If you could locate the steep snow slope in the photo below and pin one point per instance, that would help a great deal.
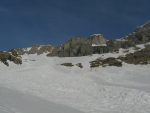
(99, 90)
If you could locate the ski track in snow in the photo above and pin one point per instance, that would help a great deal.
(101, 90)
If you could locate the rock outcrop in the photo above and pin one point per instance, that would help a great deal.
(35, 49)
(115, 45)
(79, 65)
(105, 62)
(67, 64)
(138, 57)
(97, 40)
(81, 47)
(98, 43)
(140, 35)
(73, 47)
(10, 56)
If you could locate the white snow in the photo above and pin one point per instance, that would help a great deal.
(141, 26)
(96, 35)
(142, 46)
(121, 39)
(95, 45)
(29, 48)
(13, 101)
(100, 90)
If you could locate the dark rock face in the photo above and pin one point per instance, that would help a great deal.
(95, 63)
(105, 62)
(67, 64)
(79, 65)
(5, 56)
(74, 47)
(71, 65)
(139, 57)
(100, 49)
(81, 47)
(111, 62)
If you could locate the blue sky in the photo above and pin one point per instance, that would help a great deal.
(27, 22)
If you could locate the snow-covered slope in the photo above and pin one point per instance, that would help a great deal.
(12, 101)
(123, 89)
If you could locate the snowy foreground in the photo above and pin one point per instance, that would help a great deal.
(12, 101)
(42, 85)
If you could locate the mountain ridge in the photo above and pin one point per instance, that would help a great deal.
(77, 46)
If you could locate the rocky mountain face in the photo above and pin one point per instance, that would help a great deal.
(98, 44)
(11, 56)
(94, 44)
(81, 47)
(140, 35)
(73, 47)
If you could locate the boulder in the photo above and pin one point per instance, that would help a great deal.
(79, 65)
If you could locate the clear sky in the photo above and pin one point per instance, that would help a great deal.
(27, 22)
